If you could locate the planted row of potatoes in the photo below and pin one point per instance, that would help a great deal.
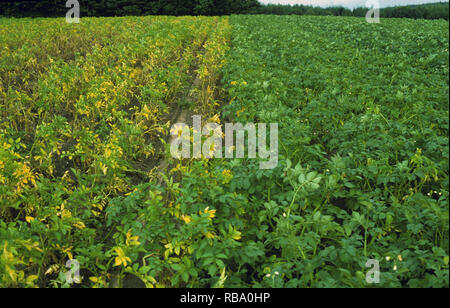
(83, 109)
(362, 175)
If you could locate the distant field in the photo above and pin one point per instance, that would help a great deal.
(86, 174)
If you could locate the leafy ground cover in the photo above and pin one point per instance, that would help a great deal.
(363, 116)
(362, 174)
(83, 109)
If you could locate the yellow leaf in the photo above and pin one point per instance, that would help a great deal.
(79, 225)
(31, 279)
(118, 261)
(187, 219)
(29, 219)
(121, 257)
(210, 235)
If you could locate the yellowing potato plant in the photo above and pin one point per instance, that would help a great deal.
(83, 108)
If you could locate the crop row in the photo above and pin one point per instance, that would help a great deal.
(363, 132)
(83, 109)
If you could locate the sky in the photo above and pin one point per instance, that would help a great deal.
(349, 3)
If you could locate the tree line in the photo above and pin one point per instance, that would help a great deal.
(89, 8)
(439, 10)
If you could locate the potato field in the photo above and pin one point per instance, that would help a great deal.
(87, 176)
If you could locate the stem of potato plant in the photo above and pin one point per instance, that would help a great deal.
(365, 242)
(293, 199)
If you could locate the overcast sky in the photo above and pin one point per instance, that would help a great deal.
(349, 3)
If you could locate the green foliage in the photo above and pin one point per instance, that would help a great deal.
(52, 8)
(363, 130)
